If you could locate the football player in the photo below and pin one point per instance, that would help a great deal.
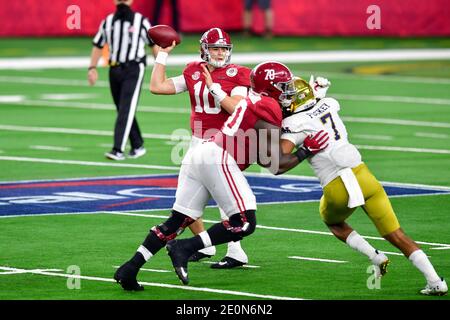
(207, 115)
(250, 134)
(348, 183)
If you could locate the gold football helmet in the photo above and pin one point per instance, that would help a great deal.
(303, 99)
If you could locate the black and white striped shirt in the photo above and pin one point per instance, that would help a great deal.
(126, 37)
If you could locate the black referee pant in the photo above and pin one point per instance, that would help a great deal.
(125, 82)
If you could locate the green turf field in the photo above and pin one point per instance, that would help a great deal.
(398, 113)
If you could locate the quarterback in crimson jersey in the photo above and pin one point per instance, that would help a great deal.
(208, 108)
(207, 112)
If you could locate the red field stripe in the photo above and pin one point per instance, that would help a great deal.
(127, 203)
(162, 182)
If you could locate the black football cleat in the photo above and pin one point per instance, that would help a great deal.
(227, 263)
(197, 256)
(115, 155)
(180, 257)
(126, 276)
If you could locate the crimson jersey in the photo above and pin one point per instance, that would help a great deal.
(238, 135)
(206, 114)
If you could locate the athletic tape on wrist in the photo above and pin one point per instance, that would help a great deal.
(161, 58)
(217, 92)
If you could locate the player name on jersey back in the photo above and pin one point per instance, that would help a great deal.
(317, 112)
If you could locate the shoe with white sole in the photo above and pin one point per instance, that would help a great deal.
(136, 153)
(381, 262)
(227, 263)
(115, 155)
(438, 288)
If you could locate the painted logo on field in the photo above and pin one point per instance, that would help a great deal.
(155, 192)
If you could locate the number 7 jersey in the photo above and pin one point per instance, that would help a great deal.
(339, 154)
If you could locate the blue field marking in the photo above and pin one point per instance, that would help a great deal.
(154, 192)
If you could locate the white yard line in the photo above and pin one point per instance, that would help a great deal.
(134, 214)
(251, 174)
(332, 75)
(431, 135)
(317, 259)
(94, 106)
(378, 78)
(185, 110)
(393, 253)
(247, 58)
(244, 266)
(88, 163)
(397, 122)
(155, 284)
(373, 137)
(11, 99)
(89, 132)
(272, 228)
(67, 96)
(22, 271)
(51, 148)
(51, 81)
(402, 149)
(187, 137)
(400, 99)
(91, 178)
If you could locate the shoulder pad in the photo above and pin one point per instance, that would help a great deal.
(293, 123)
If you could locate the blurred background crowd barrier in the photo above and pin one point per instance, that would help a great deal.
(291, 17)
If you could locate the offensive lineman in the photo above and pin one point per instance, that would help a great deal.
(251, 133)
(348, 183)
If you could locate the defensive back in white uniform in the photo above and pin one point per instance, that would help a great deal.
(348, 183)
(339, 154)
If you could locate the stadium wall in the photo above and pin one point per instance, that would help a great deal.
(292, 17)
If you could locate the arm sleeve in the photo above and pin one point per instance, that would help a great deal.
(144, 32)
(179, 83)
(239, 91)
(100, 37)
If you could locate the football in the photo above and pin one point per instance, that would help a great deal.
(163, 35)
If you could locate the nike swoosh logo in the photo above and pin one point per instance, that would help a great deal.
(183, 273)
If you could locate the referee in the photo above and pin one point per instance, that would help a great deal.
(125, 32)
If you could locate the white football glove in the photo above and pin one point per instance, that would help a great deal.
(320, 86)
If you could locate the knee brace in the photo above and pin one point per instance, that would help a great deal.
(242, 224)
(172, 227)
